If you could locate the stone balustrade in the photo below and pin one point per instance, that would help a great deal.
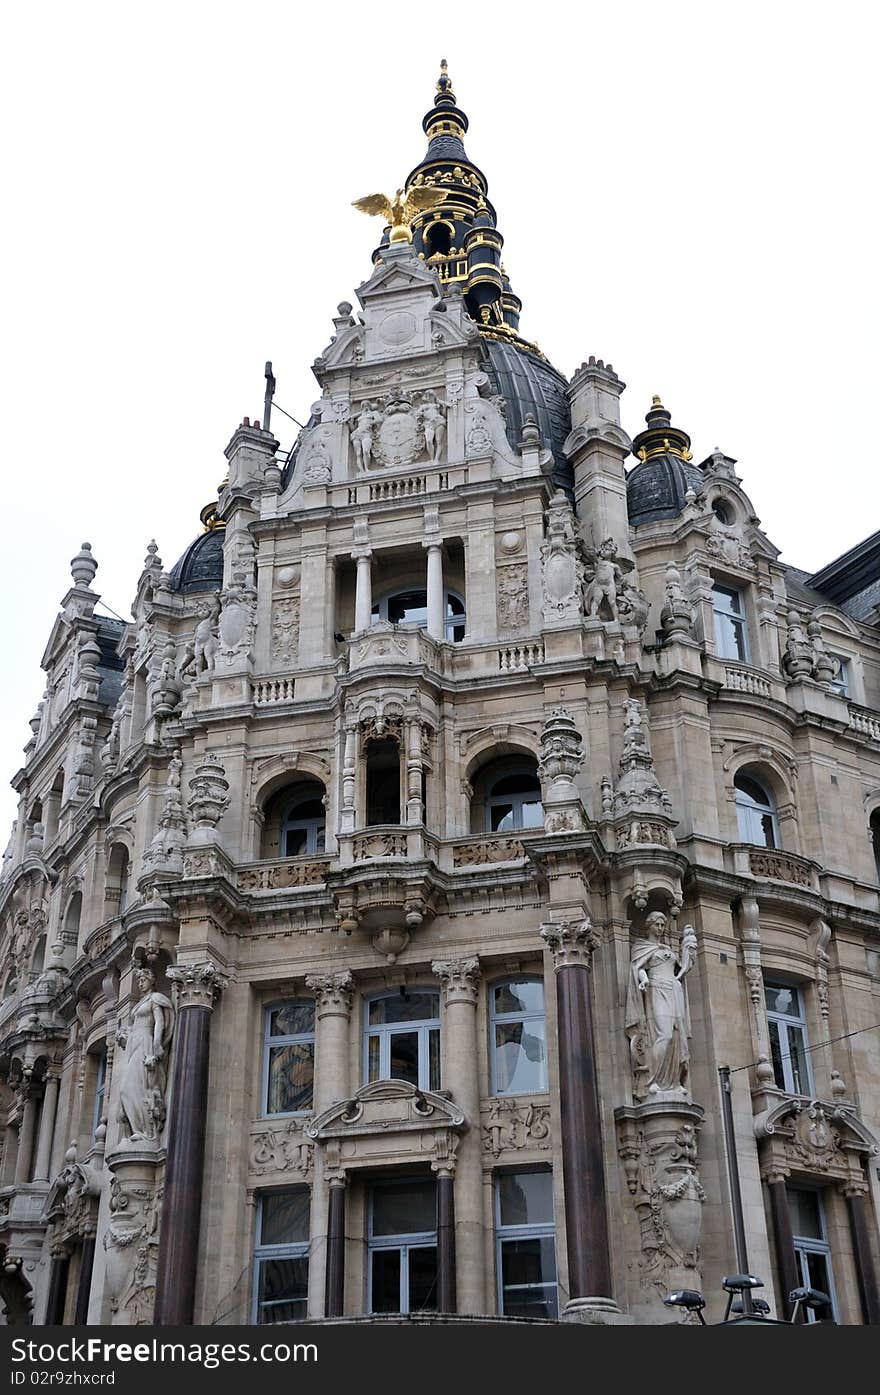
(864, 722)
(519, 658)
(747, 680)
(772, 864)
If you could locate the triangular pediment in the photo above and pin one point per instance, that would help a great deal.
(398, 274)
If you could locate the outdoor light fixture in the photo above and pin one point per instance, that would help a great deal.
(739, 1283)
(807, 1298)
(689, 1298)
(760, 1306)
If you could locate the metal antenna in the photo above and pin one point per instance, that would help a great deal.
(270, 393)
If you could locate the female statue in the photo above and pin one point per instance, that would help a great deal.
(657, 1018)
(142, 1090)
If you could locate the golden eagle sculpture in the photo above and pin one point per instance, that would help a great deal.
(400, 211)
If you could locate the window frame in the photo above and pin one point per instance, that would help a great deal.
(517, 801)
(749, 810)
(280, 1040)
(841, 683)
(100, 1087)
(805, 1245)
(313, 827)
(423, 1026)
(737, 618)
(537, 1230)
(451, 621)
(783, 1021)
(298, 1249)
(403, 1241)
(506, 1018)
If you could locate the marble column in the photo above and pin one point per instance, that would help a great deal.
(57, 1296)
(334, 1298)
(783, 1238)
(47, 1128)
(363, 596)
(25, 1135)
(460, 979)
(583, 1168)
(198, 987)
(84, 1286)
(866, 1273)
(333, 999)
(436, 600)
(446, 1285)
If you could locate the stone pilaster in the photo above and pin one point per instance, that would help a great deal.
(333, 994)
(460, 979)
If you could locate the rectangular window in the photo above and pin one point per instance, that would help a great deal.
(403, 1039)
(519, 1037)
(730, 623)
(788, 1038)
(289, 1057)
(811, 1248)
(281, 1257)
(100, 1083)
(403, 1246)
(526, 1245)
(841, 680)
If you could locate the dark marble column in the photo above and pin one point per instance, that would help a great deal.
(335, 1290)
(583, 1168)
(446, 1243)
(786, 1260)
(866, 1273)
(182, 1206)
(84, 1287)
(57, 1299)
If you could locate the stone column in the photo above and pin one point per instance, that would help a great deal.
(414, 810)
(333, 999)
(446, 1285)
(84, 1287)
(786, 1260)
(198, 987)
(56, 1300)
(436, 597)
(460, 979)
(334, 1297)
(25, 1135)
(363, 596)
(866, 1274)
(47, 1128)
(583, 1170)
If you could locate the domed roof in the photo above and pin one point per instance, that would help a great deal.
(201, 566)
(530, 386)
(656, 488)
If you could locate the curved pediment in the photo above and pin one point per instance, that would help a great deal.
(386, 1106)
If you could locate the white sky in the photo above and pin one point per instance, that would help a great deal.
(685, 189)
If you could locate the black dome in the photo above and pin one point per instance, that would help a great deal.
(531, 386)
(656, 488)
(201, 566)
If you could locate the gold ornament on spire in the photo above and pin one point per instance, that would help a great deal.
(400, 211)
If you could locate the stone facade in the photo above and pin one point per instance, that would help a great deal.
(455, 710)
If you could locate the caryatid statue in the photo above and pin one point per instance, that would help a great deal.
(657, 1018)
(362, 435)
(141, 1112)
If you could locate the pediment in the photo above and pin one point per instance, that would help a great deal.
(396, 274)
(386, 1106)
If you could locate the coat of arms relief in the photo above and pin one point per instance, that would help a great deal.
(399, 429)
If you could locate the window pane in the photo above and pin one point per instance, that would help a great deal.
(528, 1278)
(423, 1280)
(283, 1291)
(284, 1218)
(820, 1278)
(373, 1049)
(434, 1059)
(406, 1208)
(293, 1019)
(776, 1055)
(520, 996)
(768, 831)
(797, 1062)
(414, 1007)
(404, 1053)
(295, 842)
(525, 1198)
(386, 1281)
(532, 814)
(781, 998)
(730, 637)
(520, 1056)
(806, 1217)
(291, 1073)
(501, 818)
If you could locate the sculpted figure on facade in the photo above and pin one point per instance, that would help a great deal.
(605, 582)
(677, 615)
(141, 1113)
(365, 425)
(434, 425)
(206, 638)
(657, 1017)
(561, 565)
(797, 661)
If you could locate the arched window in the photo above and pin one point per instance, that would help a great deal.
(72, 918)
(519, 1037)
(513, 800)
(38, 958)
(117, 885)
(402, 1037)
(304, 822)
(411, 608)
(875, 839)
(289, 1057)
(755, 812)
(438, 238)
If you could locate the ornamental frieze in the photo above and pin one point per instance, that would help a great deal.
(513, 1126)
(283, 1148)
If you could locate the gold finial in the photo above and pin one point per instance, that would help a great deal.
(400, 211)
(655, 401)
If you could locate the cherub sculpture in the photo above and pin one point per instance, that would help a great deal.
(607, 582)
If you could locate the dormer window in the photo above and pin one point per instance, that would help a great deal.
(731, 639)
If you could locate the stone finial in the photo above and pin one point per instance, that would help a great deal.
(83, 567)
(208, 797)
(562, 756)
(638, 791)
(165, 852)
(677, 615)
(825, 666)
(797, 661)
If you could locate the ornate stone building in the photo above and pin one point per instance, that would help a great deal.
(386, 895)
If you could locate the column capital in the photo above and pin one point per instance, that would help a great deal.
(854, 1187)
(429, 542)
(571, 942)
(333, 992)
(198, 985)
(777, 1174)
(460, 978)
(361, 554)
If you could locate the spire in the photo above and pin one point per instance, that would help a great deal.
(661, 437)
